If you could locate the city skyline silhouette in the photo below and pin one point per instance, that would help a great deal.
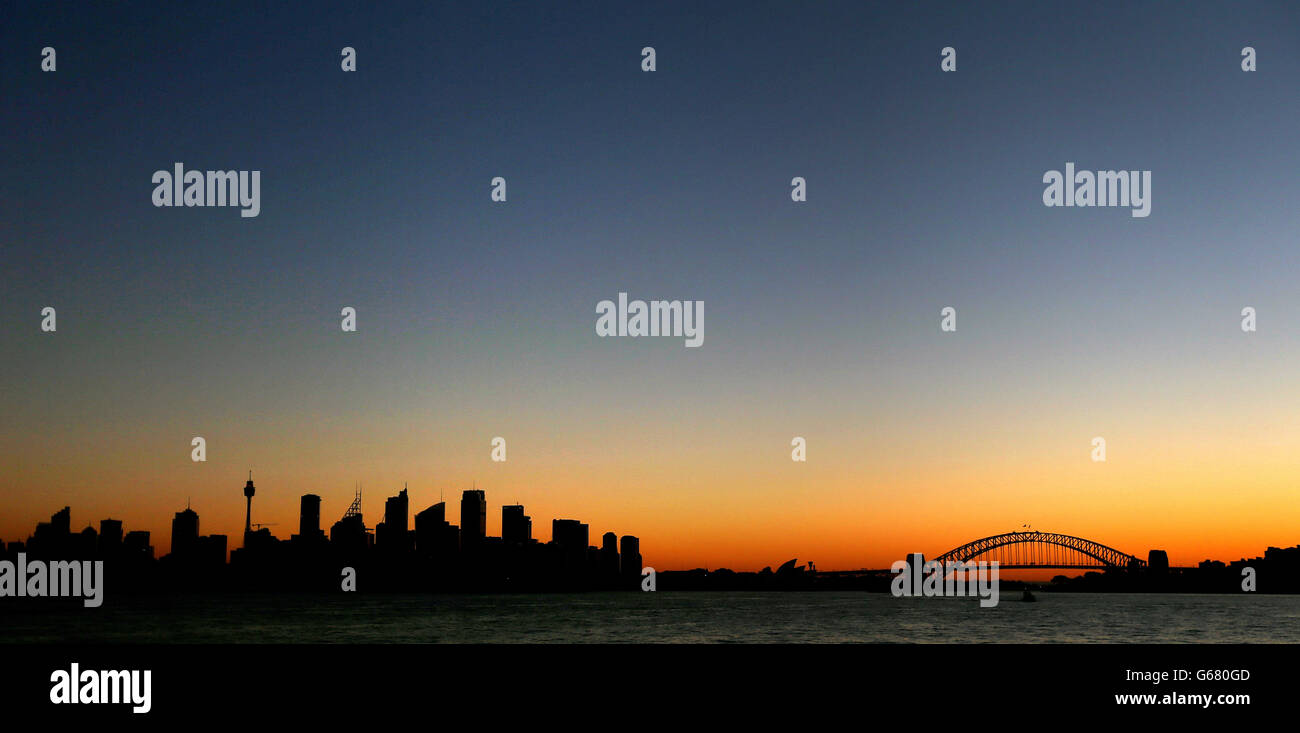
(394, 553)
(424, 550)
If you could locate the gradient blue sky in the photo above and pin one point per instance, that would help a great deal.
(476, 319)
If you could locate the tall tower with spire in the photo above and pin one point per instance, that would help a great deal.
(249, 490)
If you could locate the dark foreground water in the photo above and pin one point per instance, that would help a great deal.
(820, 617)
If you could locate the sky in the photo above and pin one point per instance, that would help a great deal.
(475, 319)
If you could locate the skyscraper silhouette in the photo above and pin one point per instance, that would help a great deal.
(309, 518)
(569, 534)
(110, 535)
(393, 533)
(434, 536)
(136, 545)
(61, 522)
(185, 533)
(630, 557)
(609, 554)
(516, 527)
(473, 519)
(349, 533)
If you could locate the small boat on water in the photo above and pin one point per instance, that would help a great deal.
(1028, 596)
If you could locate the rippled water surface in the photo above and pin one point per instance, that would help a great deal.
(821, 617)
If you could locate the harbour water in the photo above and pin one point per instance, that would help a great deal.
(660, 617)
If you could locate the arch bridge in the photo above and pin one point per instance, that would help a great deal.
(1033, 549)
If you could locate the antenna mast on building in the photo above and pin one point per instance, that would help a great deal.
(355, 509)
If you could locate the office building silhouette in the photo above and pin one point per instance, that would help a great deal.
(630, 557)
(435, 537)
(473, 519)
(516, 527)
(609, 554)
(211, 550)
(136, 545)
(349, 535)
(110, 535)
(61, 522)
(309, 518)
(185, 533)
(392, 534)
(569, 534)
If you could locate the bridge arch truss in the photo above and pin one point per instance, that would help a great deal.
(1032, 549)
